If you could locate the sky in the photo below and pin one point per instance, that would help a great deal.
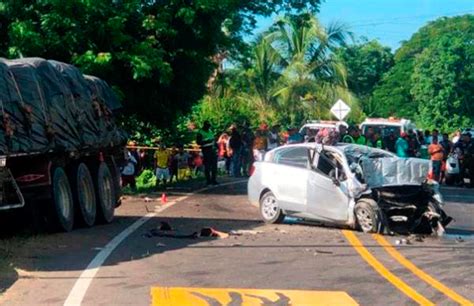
(389, 21)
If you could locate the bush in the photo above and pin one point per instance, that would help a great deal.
(146, 180)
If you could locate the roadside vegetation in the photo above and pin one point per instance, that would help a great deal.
(174, 63)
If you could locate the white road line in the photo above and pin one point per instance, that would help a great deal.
(77, 293)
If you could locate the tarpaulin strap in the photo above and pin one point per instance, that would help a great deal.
(97, 108)
(49, 130)
(26, 109)
(42, 100)
(7, 124)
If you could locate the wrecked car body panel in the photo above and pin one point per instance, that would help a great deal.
(381, 172)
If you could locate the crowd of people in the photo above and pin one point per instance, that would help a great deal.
(433, 145)
(237, 148)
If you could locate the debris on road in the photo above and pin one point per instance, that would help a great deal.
(160, 245)
(169, 234)
(244, 232)
(148, 200)
(211, 232)
(402, 241)
(281, 231)
(165, 230)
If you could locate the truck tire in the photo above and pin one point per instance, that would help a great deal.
(84, 195)
(105, 193)
(117, 183)
(63, 204)
(369, 216)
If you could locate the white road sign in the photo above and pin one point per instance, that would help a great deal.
(340, 109)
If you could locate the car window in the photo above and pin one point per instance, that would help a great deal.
(297, 157)
(383, 130)
(327, 164)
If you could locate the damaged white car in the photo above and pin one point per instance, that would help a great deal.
(347, 185)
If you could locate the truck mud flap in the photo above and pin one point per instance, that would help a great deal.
(10, 194)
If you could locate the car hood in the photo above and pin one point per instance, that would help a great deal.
(394, 171)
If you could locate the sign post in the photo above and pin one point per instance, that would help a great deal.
(340, 109)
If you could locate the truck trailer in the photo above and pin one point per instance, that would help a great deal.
(60, 147)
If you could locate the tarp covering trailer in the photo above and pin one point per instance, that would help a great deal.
(60, 147)
(49, 105)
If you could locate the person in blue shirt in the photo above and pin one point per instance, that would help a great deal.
(401, 146)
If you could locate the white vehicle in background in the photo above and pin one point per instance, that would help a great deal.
(384, 127)
(312, 127)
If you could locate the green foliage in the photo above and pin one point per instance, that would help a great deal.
(159, 53)
(146, 180)
(292, 73)
(399, 95)
(366, 63)
(443, 84)
(221, 113)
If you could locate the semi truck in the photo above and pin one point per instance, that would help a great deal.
(60, 147)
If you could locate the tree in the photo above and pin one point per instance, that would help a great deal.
(442, 84)
(366, 63)
(394, 93)
(312, 77)
(158, 54)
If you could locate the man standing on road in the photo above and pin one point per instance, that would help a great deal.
(401, 146)
(235, 145)
(206, 139)
(162, 161)
(436, 152)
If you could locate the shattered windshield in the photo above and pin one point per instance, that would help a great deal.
(353, 153)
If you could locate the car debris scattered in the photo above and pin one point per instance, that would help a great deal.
(165, 230)
(244, 232)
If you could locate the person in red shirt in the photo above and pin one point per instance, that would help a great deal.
(436, 152)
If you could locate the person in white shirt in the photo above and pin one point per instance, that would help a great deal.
(128, 172)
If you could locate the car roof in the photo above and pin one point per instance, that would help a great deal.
(339, 147)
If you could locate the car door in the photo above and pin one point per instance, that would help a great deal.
(327, 195)
(290, 174)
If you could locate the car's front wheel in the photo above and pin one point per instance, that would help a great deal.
(270, 210)
(369, 216)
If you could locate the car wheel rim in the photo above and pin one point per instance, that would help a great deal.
(365, 219)
(269, 207)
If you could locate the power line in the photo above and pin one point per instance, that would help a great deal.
(364, 21)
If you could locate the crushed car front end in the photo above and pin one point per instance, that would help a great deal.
(409, 202)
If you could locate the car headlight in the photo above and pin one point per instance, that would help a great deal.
(3, 161)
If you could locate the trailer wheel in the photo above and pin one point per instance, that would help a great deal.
(84, 195)
(105, 191)
(63, 204)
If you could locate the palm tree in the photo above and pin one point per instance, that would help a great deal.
(310, 67)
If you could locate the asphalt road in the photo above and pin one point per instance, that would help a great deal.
(265, 265)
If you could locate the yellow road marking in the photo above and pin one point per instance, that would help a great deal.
(163, 296)
(420, 273)
(382, 270)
